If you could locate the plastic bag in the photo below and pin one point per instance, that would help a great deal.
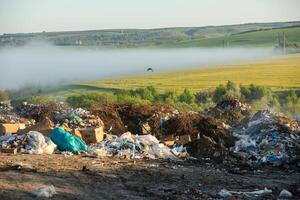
(67, 142)
(46, 191)
(39, 144)
(147, 140)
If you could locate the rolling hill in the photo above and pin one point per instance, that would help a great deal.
(241, 34)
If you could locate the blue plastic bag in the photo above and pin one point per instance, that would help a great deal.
(66, 141)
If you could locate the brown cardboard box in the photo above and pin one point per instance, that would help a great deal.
(12, 150)
(90, 135)
(45, 127)
(10, 128)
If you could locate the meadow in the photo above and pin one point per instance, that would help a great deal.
(279, 73)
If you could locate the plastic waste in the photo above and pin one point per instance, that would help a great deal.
(136, 146)
(39, 144)
(258, 193)
(46, 191)
(147, 140)
(268, 139)
(285, 193)
(67, 142)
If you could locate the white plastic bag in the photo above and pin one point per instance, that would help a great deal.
(46, 191)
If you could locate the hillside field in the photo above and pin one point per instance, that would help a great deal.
(279, 73)
(255, 38)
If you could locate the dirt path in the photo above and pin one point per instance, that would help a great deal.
(78, 177)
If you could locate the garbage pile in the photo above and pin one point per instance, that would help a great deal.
(208, 136)
(76, 118)
(7, 115)
(269, 138)
(138, 119)
(32, 142)
(232, 112)
(137, 146)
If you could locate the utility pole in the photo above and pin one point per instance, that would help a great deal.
(284, 43)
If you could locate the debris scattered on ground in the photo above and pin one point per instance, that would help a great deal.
(269, 138)
(254, 194)
(45, 191)
(137, 146)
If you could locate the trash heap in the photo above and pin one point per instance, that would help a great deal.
(32, 142)
(269, 138)
(76, 118)
(39, 112)
(137, 146)
(231, 112)
(7, 115)
(202, 135)
(138, 119)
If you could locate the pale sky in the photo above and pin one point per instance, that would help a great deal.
(64, 15)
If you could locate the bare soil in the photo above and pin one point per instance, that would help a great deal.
(79, 177)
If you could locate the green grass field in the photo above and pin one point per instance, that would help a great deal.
(257, 38)
(279, 73)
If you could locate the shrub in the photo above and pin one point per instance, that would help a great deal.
(253, 92)
(292, 104)
(204, 96)
(219, 93)
(89, 99)
(186, 97)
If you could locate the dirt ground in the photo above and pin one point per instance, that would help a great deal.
(79, 177)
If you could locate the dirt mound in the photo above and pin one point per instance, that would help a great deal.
(208, 135)
(130, 117)
(232, 112)
(135, 115)
(109, 113)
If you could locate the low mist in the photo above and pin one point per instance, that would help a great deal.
(43, 64)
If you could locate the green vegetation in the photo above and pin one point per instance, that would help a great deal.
(278, 74)
(4, 96)
(256, 38)
(258, 96)
(89, 99)
(236, 35)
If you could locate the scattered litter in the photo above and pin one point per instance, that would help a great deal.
(45, 191)
(258, 193)
(136, 146)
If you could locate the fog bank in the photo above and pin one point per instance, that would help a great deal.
(45, 64)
